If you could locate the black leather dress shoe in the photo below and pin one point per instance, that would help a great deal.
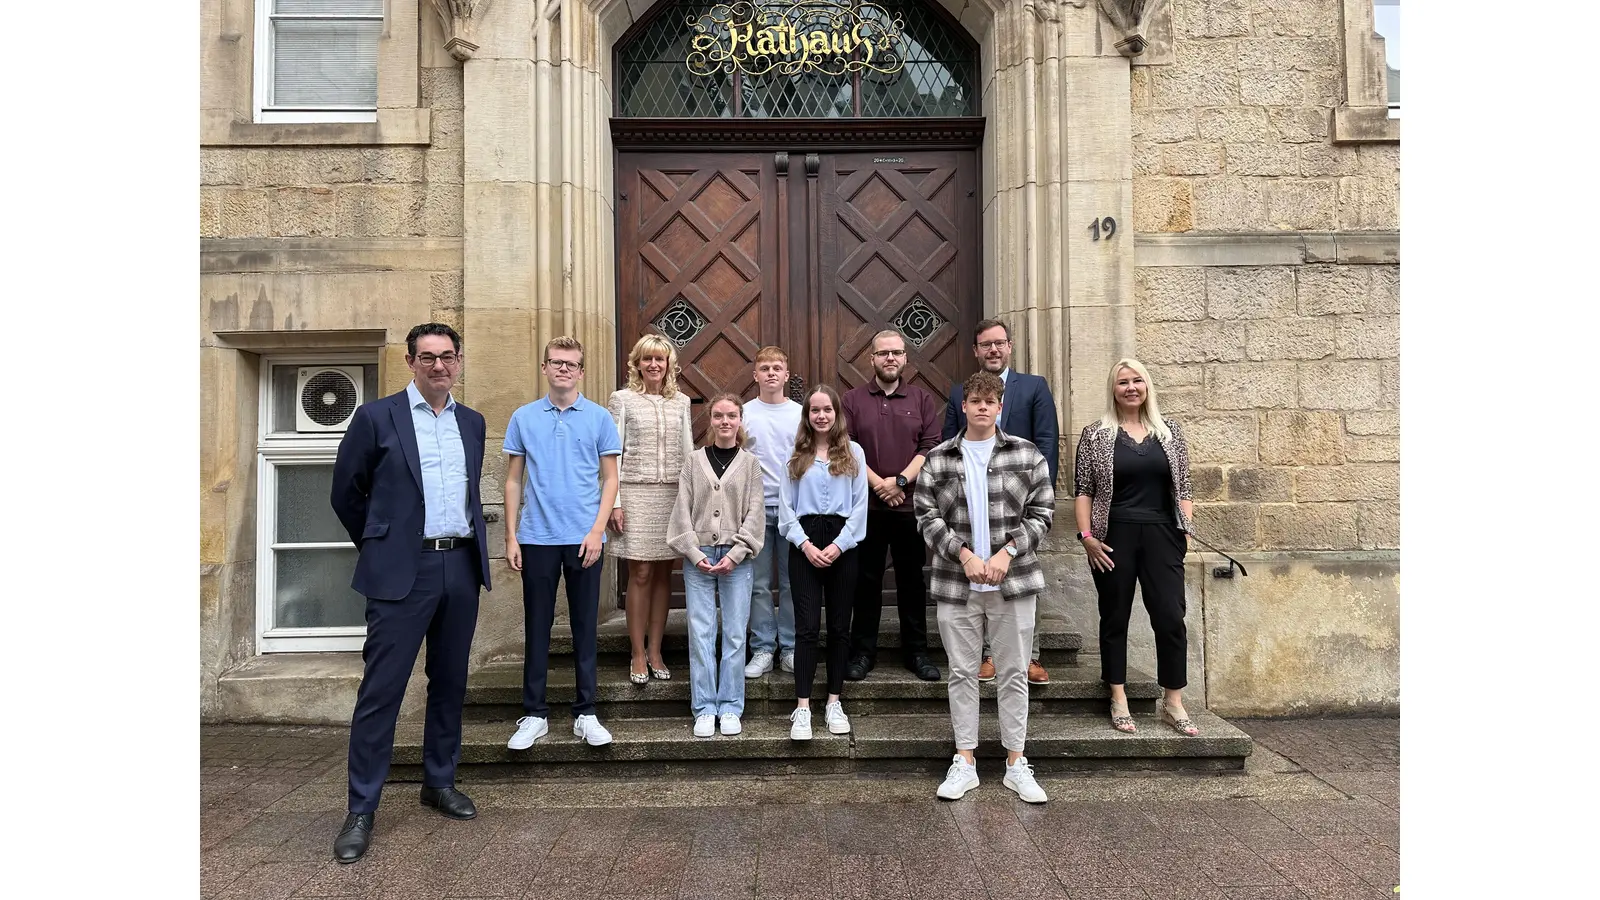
(450, 802)
(924, 668)
(858, 669)
(354, 837)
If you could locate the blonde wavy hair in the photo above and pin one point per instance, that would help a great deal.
(653, 344)
(840, 460)
(1149, 412)
(743, 438)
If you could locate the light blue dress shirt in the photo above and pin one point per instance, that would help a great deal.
(444, 467)
(561, 478)
(822, 493)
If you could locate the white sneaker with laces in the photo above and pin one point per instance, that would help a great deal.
(962, 777)
(1019, 778)
(838, 722)
(529, 729)
(592, 732)
(801, 729)
(786, 660)
(705, 726)
(760, 664)
(731, 724)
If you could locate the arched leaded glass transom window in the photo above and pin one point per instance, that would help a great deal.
(797, 59)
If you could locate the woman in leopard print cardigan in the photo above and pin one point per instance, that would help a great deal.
(1134, 508)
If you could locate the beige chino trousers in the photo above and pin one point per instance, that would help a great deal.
(1010, 631)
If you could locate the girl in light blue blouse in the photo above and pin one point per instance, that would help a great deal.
(823, 515)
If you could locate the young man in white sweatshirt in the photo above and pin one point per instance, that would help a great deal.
(771, 420)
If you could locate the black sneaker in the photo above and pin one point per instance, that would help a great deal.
(859, 667)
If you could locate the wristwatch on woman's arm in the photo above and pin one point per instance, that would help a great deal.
(1084, 536)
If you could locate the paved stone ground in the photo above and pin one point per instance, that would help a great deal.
(1316, 815)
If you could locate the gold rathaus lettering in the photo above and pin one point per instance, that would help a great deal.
(829, 37)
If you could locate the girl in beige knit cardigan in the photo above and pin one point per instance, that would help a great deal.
(718, 524)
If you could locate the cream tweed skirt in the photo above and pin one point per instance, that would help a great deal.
(647, 507)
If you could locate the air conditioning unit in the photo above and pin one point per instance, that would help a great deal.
(328, 397)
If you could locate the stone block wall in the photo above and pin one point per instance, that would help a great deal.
(1235, 134)
(356, 192)
(1287, 380)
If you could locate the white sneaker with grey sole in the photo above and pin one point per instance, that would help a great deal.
(760, 664)
(592, 732)
(731, 724)
(1019, 778)
(529, 729)
(705, 726)
(962, 777)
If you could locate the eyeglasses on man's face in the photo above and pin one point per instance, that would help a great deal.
(993, 345)
(564, 365)
(427, 360)
(888, 354)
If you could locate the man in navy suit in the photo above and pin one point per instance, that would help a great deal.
(405, 486)
(1028, 412)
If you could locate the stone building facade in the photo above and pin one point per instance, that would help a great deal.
(1245, 147)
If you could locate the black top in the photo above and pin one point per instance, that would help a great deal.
(1141, 482)
(720, 459)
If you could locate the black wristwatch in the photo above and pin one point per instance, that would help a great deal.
(900, 482)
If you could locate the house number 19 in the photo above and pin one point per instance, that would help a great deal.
(1106, 227)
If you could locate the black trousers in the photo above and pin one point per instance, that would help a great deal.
(891, 534)
(813, 589)
(442, 607)
(543, 566)
(1152, 557)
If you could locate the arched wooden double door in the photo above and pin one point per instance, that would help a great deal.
(724, 252)
(803, 200)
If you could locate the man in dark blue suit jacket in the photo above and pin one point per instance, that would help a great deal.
(1029, 412)
(405, 487)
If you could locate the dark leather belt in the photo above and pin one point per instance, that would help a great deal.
(452, 543)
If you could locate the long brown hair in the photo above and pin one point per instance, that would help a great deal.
(840, 460)
(743, 438)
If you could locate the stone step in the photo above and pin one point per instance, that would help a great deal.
(1059, 641)
(888, 743)
(494, 692)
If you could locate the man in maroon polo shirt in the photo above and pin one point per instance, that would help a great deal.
(896, 425)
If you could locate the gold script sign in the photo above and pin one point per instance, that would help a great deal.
(789, 38)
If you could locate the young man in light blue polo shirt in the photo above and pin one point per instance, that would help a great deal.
(568, 448)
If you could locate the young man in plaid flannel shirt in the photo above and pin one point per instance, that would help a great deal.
(985, 504)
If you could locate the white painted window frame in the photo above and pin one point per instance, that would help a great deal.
(262, 79)
(273, 451)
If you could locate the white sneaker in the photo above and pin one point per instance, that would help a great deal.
(705, 726)
(529, 729)
(731, 724)
(786, 660)
(760, 664)
(590, 729)
(801, 729)
(962, 777)
(1019, 778)
(838, 722)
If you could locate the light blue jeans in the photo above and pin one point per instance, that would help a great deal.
(772, 631)
(713, 692)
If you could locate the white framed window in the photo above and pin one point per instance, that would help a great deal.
(317, 60)
(304, 558)
(1386, 22)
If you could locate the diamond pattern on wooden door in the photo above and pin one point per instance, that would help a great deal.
(698, 250)
(898, 250)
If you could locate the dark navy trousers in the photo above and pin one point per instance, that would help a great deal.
(442, 607)
(543, 566)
